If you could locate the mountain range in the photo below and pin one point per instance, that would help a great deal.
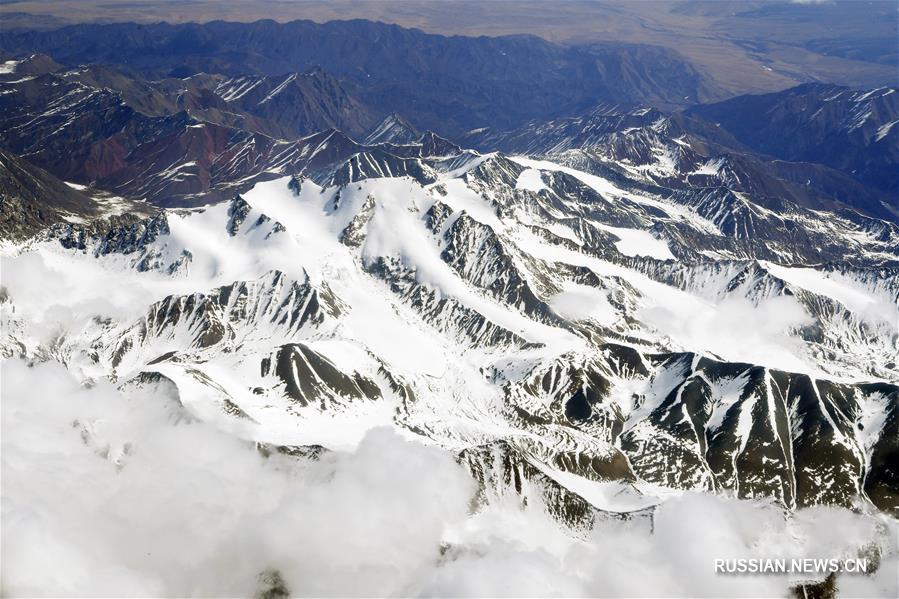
(221, 132)
(553, 262)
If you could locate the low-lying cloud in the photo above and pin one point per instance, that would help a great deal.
(110, 493)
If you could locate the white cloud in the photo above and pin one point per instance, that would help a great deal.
(578, 302)
(736, 329)
(112, 494)
(188, 510)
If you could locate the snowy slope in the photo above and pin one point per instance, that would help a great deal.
(483, 300)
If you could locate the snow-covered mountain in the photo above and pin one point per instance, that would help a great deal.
(598, 333)
(348, 309)
(610, 316)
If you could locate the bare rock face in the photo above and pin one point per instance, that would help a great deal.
(32, 199)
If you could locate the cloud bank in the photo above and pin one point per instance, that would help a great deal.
(111, 493)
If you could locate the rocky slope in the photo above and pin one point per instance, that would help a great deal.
(187, 142)
(32, 199)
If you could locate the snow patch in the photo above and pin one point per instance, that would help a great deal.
(9, 67)
(884, 130)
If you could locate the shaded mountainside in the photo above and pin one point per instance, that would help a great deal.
(32, 199)
(448, 84)
(696, 149)
(851, 130)
(293, 105)
(186, 141)
(391, 129)
(199, 139)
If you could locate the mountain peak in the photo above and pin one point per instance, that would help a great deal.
(392, 129)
